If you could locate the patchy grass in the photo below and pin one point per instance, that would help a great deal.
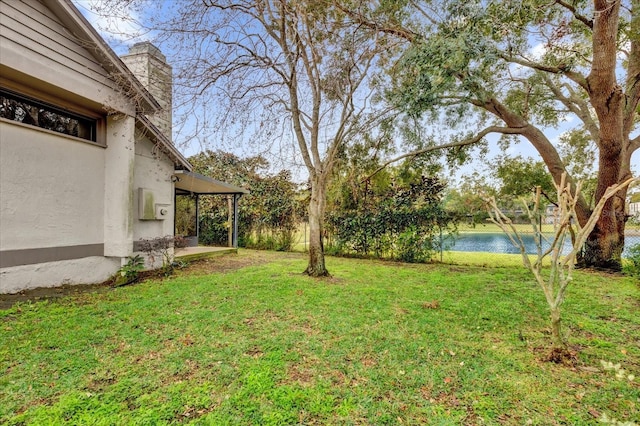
(257, 343)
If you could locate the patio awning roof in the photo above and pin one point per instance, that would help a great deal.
(194, 183)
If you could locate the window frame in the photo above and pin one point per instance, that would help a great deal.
(57, 106)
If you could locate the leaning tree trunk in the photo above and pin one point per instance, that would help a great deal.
(606, 242)
(316, 267)
(603, 249)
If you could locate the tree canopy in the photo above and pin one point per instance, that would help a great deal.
(285, 75)
(309, 73)
(520, 68)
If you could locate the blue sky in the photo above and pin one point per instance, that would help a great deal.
(121, 34)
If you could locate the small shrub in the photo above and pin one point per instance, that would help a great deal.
(284, 239)
(180, 241)
(130, 272)
(160, 246)
(632, 265)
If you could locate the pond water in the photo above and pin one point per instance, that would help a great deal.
(496, 243)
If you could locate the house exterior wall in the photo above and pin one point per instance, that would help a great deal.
(51, 210)
(35, 44)
(152, 171)
(118, 186)
(68, 206)
(65, 203)
(55, 185)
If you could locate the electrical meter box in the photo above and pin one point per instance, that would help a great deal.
(148, 209)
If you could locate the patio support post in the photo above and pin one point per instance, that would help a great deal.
(230, 220)
(197, 219)
(235, 220)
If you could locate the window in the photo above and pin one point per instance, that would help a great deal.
(36, 113)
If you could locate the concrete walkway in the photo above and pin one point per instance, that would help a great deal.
(201, 252)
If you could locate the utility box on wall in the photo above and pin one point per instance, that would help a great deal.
(162, 211)
(148, 209)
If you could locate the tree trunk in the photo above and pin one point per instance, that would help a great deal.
(603, 249)
(556, 331)
(606, 242)
(316, 267)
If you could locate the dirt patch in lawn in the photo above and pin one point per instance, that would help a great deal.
(233, 262)
(50, 293)
(219, 264)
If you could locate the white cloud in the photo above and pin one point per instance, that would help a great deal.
(538, 51)
(119, 26)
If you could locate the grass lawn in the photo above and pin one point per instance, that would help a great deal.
(248, 340)
(631, 228)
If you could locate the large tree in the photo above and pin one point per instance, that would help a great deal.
(295, 71)
(520, 68)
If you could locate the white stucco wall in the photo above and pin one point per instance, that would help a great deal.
(88, 270)
(52, 189)
(152, 171)
(118, 186)
(69, 204)
(51, 198)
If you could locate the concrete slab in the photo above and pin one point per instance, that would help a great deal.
(195, 253)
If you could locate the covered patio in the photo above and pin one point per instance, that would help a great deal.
(195, 185)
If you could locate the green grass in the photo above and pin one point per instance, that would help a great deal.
(378, 343)
(490, 227)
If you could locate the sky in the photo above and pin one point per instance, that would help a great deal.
(121, 34)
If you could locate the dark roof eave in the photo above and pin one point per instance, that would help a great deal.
(194, 183)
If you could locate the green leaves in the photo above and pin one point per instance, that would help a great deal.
(270, 212)
(520, 177)
(393, 217)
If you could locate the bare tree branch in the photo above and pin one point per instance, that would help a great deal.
(634, 144)
(359, 18)
(574, 104)
(632, 83)
(458, 144)
(588, 22)
(564, 70)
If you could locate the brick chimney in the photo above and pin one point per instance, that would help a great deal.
(150, 67)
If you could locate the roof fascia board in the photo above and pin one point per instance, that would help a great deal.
(67, 12)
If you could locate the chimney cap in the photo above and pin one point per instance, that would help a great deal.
(147, 47)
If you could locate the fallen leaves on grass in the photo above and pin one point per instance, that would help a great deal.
(434, 304)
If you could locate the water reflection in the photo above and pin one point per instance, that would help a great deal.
(498, 243)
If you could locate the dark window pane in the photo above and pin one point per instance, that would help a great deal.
(28, 111)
